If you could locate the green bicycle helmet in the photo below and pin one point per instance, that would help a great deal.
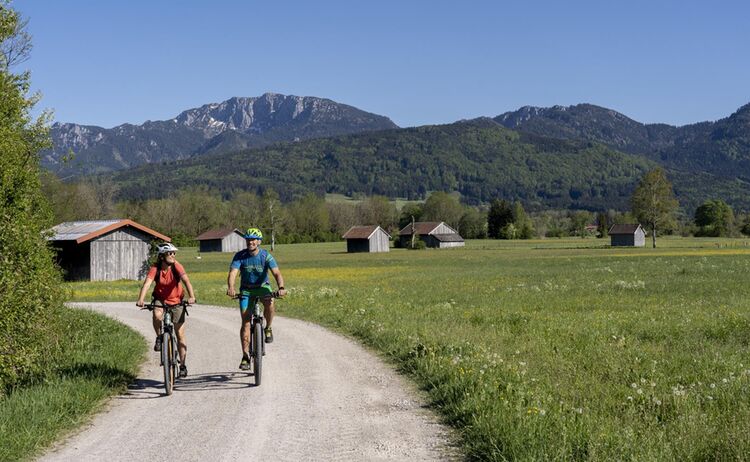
(254, 233)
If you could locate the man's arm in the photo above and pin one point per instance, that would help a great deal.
(279, 280)
(144, 289)
(230, 281)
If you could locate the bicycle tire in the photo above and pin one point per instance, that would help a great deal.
(167, 353)
(257, 352)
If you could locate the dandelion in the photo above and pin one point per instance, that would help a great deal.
(713, 385)
(639, 391)
(630, 398)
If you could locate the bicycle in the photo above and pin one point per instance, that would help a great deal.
(170, 358)
(257, 334)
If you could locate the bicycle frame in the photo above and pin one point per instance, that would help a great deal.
(257, 333)
(169, 358)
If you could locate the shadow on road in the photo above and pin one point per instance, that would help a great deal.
(144, 389)
(214, 381)
(149, 389)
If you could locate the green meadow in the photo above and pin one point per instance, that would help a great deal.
(539, 350)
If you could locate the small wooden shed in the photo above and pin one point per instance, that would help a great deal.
(222, 240)
(434, 234)
(367, 239)
(627, 235)
(105, 250)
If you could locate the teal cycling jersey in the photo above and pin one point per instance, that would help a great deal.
(253, 268)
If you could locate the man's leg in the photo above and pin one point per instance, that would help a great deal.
(245, 332)
(268, 311)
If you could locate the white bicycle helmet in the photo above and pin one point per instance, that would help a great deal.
(166, 247)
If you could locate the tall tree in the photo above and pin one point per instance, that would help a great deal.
(499, 216)
(522, 221)
(653, 202)
(29, 280)
(714, 218)
(441, 206)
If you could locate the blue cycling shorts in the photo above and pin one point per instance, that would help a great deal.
(246, 294)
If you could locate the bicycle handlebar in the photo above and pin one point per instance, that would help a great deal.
(274, 294)
(152, 305)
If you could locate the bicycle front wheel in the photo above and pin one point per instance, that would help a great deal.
(167, 359)
(257, 351)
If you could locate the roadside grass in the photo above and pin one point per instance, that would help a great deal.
(97, 357)
(542, 350)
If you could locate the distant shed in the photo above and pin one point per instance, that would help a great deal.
(367, 239)
(105, 250)
(434, 234)
(222, 240)
(627, 235)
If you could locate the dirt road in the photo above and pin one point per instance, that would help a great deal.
(323, 397)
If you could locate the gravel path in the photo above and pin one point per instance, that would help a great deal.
(323, 397)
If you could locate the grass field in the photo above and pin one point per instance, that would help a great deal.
(540, 350)
(95, 359)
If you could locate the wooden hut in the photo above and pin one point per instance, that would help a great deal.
(367, 239)
(222, 240)
(627, 235)
(434, 234)
(104, 250)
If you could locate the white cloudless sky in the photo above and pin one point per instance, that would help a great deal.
(418, 62)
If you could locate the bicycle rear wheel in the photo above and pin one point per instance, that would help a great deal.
(167, 359)
(257, 352)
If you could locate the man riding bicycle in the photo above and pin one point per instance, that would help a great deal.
(168, 273)
(253, 264)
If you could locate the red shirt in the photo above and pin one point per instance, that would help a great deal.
(168, 290)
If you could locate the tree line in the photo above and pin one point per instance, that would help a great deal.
(311, 218)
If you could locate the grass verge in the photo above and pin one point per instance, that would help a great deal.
(97, 358)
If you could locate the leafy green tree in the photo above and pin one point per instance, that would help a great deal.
(29, 280)
(309, 220)
(653, 202)
(578, 222)
(602, 224)
(441, 206)
(473, 224)
(499, 215)
(378, 210)
(412, 209)
(714, 218)
(522, 222)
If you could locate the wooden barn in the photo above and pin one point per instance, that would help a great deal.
(105, 250)
(222, 240)
(367, 239)
(627, 235)
(434, 234)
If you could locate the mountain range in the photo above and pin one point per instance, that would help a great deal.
(581, 156)
(236, 123)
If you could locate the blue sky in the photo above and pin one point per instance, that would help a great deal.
(417, 62)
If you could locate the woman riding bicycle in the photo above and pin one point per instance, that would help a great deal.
(168, 273)
(254, 264)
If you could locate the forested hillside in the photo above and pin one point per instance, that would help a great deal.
(480, 159)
